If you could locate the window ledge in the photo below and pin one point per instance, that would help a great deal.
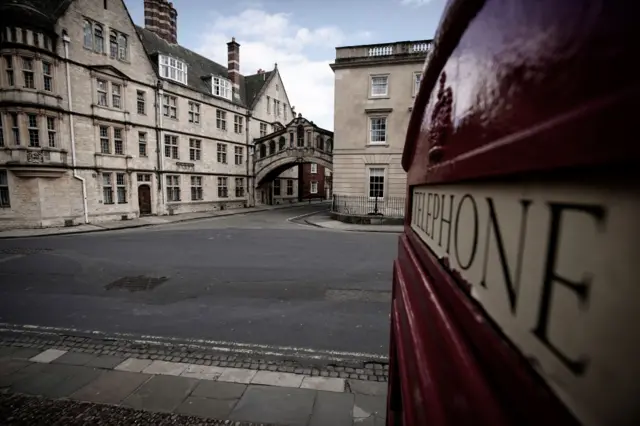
(377, 145)
(378, 110)
(108, 108)
(102, 154)
(371, 97)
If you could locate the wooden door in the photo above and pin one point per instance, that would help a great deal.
(144, 199)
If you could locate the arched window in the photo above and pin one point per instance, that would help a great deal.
(88, 38)
(263, 150)
(272, 147)
(281, 142)
(123, 48)
(113, 45)
(98, 38)
(320, 143)
(300, 135)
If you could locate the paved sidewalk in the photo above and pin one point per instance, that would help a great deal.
(132, 387)
(142, 221)
(323, 220)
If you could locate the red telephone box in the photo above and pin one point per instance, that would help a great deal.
(516, 294)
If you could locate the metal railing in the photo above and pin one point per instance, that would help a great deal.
(368, 206)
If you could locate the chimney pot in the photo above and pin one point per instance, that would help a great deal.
(160, 17)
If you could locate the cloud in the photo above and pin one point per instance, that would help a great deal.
(303, 55)
(416, 3)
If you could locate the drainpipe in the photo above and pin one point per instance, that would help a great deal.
(67, 40)
(158, 107)
(250, 190)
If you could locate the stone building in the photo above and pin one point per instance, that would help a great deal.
(375, 86)
(298, 147)
(103, 120)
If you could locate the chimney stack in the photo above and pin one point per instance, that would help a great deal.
(161, 18)
(233, 64)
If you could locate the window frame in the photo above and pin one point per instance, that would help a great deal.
(165, 63)
(52, 131)
(28, 72)
(169, 106)
(9, 70)
(370, 168)
(372, 77)
(238, 124)
(33, 130)
(5, 193)
(263, 129)
(238, 152)
(195, 149)
(107, 186)
(314, 168)
(370, 119)
(277, 187)
(221, 87)
(47, 78)
(289, 187)
(196, 188)
(121, 188)
(171, 147)
(239, 189)
(313, 188)
(194, 112)
(223, 187)
(173, 188)
(142, 144)
(221, 153)
(118, 141)
(221, 120)
(141, 102)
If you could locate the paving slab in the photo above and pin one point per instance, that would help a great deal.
(25, 353)
(31, 370)
(166, 368)
(331, 408)
(161, 393)
(270, 404)
(237, 375)
(203, 372)
(74, 358)
(368, 388)
(368, 405)
(47, 356)
(323, 383)
(106, 361)
(56, 381)
(133, 365)
(6, 351)
(273, 378)
(208, 408)
(111, 387)
(219, 390)
(10, 366)
(369, 421)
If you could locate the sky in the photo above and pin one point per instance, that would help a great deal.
(299, 35)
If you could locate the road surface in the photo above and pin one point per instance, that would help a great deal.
(254, 279)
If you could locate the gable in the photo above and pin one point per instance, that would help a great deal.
(115, 19)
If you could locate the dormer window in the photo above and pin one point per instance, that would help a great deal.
(221, 87)
(172, 69)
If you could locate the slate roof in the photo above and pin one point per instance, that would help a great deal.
(32, 13)
(199, 68)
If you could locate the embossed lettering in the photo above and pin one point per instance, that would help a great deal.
(551, 277)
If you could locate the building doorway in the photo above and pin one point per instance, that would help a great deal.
(144, 199)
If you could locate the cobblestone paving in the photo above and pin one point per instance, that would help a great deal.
(180, 353)
(16, 409)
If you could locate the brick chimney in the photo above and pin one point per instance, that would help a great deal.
(233, 64)
(161, 18)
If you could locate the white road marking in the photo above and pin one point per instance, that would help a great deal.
(205, 344)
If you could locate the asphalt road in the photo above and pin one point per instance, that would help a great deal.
(254, 278)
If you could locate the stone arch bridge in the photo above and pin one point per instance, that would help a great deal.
(270, 166)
